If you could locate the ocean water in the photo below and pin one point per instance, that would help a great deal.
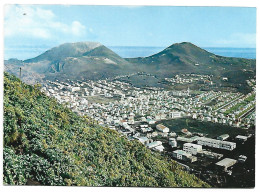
(249, 53)
(130, 52)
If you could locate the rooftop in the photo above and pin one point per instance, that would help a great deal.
(227, 162)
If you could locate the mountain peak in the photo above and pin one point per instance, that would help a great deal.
(81, 45)
(182, 44)
(66, 50)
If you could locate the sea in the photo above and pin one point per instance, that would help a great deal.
(23, 53)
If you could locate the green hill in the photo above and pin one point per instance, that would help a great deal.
(46, 143)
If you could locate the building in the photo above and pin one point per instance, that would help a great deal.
(224, 164)
(172, 142)
(186, 132)
(159, 148)
(72, 89)
(241, 138)
(242, 158)
(216, 143)
(175, 114)
(192, 148)
(154, 144)
(146, 129)
(131, 120)
(182, 155)
(187, 140)
(143, 119)
(223, 137)
(172, 134)
(143, 140)
(162, 128)
(210, 154)
(150, 121)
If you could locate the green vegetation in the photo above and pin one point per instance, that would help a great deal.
(250, 98)
(47, 143)
(235, 107)
(241, 104)
(209, 129)
(245, 111)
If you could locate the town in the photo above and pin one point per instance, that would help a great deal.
(137, 113)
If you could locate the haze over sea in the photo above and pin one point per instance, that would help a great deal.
(23, 53)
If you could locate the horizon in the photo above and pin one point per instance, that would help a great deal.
(45, 48)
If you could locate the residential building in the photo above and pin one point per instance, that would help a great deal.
(216, 143)
(192, 148)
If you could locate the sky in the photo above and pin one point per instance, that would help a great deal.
(28, 26)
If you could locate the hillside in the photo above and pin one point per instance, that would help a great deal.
(47, 144)
(188, 58)
(81, 60)
(65, 50)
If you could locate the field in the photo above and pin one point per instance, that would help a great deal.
(207, 128)
(99, 99)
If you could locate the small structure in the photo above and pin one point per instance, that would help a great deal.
(223, 137)
(162, 128)
(143, 119)
(73, 89)
(150, 121)
(143, 125)
(241, 138)
(242, 158)
(225, 79)
(154, 134)
(226, 163)
(186, 132)
(172, 142)
(147, 129)
(143, 140)
(172, 134)
(159, 148)
(154, 144)
(175, 114)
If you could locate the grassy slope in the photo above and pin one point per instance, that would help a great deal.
(46, 143)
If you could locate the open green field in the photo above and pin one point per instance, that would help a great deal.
(208, 128)
(100, 99)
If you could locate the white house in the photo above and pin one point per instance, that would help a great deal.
(162, 128)
(175, 114)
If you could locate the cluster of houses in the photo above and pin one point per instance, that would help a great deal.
(189, 78)
(251, 82)
(136, 104)
(233, 110)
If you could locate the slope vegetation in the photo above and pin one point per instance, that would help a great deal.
(47, 144)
